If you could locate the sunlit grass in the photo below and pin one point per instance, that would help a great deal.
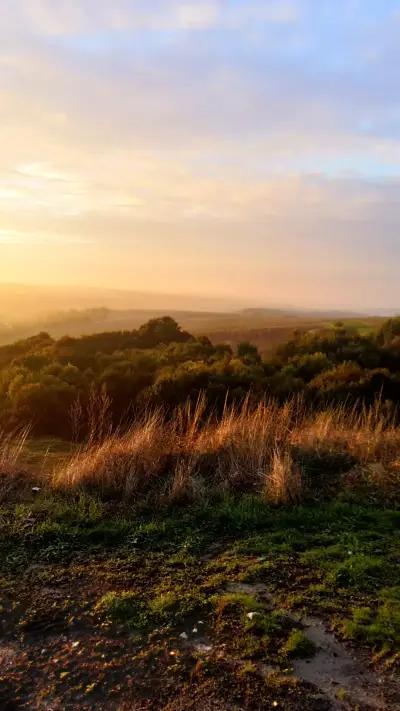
(281, 453)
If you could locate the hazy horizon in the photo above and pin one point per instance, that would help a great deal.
(30, 302)
(235, 151)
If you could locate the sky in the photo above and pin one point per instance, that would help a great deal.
(243, 149)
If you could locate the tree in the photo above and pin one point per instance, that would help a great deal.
(248, 352)
(161, 330)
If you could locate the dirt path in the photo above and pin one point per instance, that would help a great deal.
(59, 653)
(338, 671)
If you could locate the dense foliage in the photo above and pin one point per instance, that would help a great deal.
(42, 379)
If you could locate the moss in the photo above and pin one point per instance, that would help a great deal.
(298, 645)
(362, 615)
(377, 627)
(265, 623)
(341, 694)
(164, 603)
(172, 603)
(124, 607)
(234, 601)
(256, 572)
(248, 668)
(248, 646)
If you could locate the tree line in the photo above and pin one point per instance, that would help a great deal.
(44, 381)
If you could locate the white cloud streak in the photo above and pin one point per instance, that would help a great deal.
(65, 17)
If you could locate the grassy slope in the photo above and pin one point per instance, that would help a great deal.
(131, 602)
(95, 600)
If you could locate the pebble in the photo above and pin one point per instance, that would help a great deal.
(250, 615)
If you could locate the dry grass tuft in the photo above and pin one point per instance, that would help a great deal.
(284, 483)
(122, 463)
(248, 449)
(12, 447)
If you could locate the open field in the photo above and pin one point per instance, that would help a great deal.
(273, 331)
(246, 563)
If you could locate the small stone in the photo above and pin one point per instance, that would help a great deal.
(183, 635)
(250, 615)
(195, 630)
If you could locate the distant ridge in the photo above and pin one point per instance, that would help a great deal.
(22, 302)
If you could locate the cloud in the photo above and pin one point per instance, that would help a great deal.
(28, 239)
(264, 148)
(44, 171)
(90, 16)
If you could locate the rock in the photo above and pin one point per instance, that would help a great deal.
(250, 615)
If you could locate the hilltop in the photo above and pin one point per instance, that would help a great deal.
(190, 526)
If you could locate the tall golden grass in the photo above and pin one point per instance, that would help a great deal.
(12, 448)
(191, 456)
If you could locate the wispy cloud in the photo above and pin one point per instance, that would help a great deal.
(65, 17)
(25, 238)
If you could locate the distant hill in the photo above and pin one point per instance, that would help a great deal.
(26, 310)
(21, 302)
(266, 330)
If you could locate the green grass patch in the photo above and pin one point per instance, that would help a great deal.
(124, 607)
(377, 627)
(361, 572)
(298, 646)
(234, 601)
